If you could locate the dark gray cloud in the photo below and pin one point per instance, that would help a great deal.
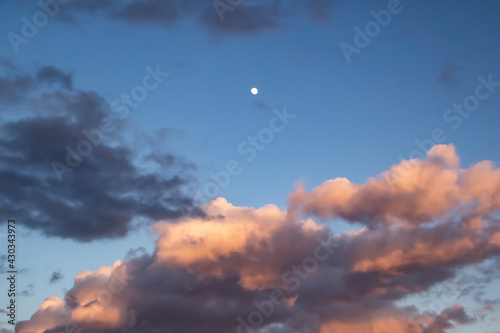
(245, 19)
(218, 17)
(103, 195)
(16, 86)
(450, 317)
(52, 75)
(56, 276)
(15, 89)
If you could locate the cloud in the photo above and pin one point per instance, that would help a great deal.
(14, 89)
(52, 75)
(109, 189)
(245, 19)
(56, 276)
(16, 85)
(51, 313)
(445, 245)
(253, 244)
(237, 268)
(238, 17)
(456, 313)
(163, 13)
(411, 193)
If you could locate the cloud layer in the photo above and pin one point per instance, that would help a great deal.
(242, 269)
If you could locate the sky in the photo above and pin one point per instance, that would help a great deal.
(152, 191)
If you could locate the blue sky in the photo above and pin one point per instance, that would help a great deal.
(353, 120)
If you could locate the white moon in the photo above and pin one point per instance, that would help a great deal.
(254, 91)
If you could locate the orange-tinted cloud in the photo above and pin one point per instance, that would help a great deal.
(235, 240)
(95, 301)
(410, 193)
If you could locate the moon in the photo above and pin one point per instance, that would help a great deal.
(254, 91)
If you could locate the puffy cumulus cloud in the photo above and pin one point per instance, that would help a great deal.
(95, 301)
(226, 229)
(481, 184)
(145, 298)
(270, 270)
(411, 193)
(53, 312)
(255, 244)
(97, 296)
(102, 194)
